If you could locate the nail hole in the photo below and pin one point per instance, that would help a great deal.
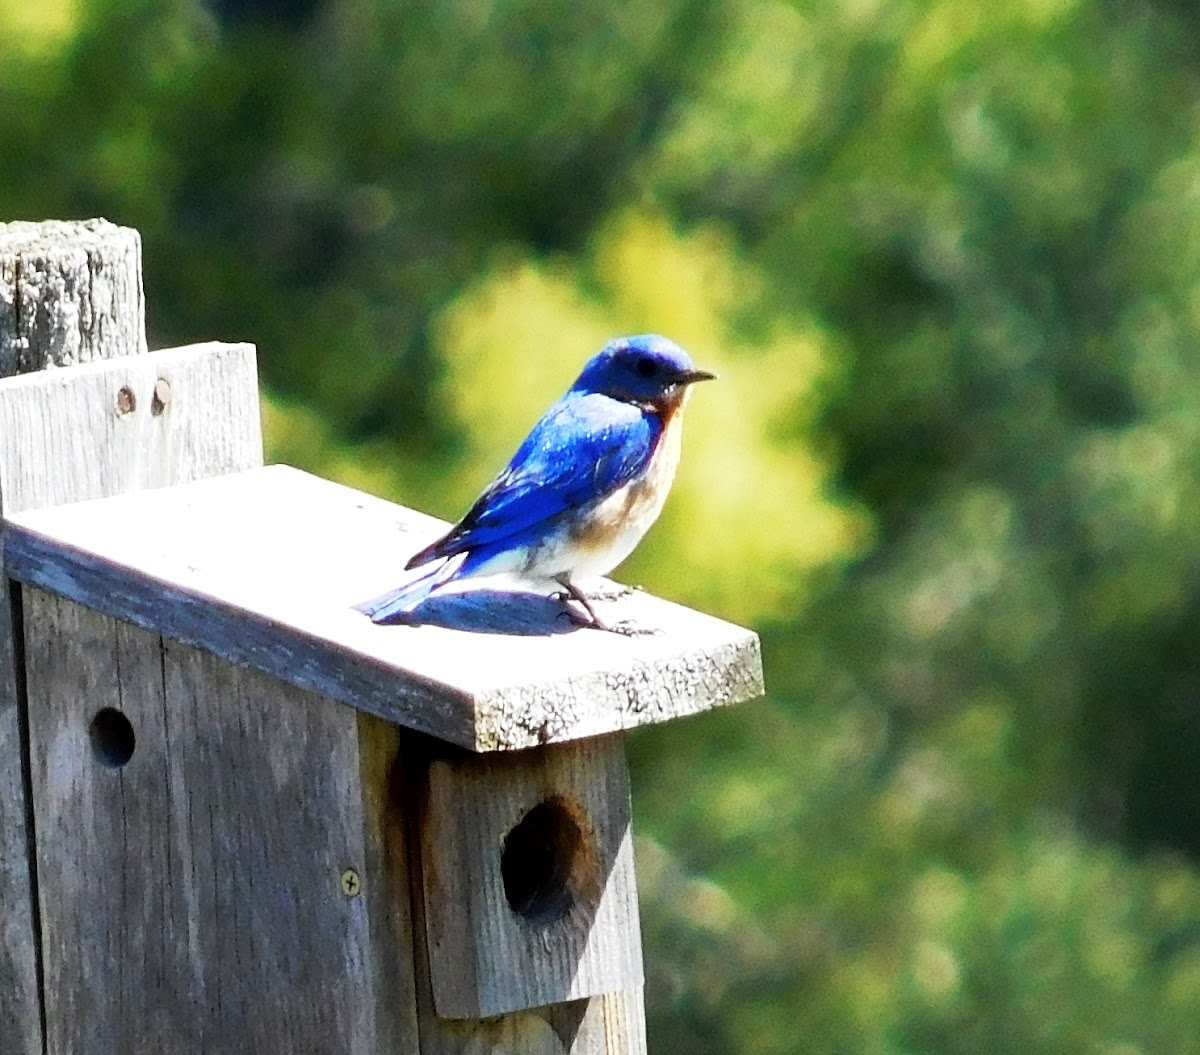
(126, 400)
(547, 864)
(112, 738)
(161, 397)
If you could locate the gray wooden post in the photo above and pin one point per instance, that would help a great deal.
(253, 820)
(79, 419)
(69, 293)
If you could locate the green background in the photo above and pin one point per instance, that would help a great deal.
(946, 257)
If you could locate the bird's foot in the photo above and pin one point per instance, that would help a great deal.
(589, 620)
(571, 592)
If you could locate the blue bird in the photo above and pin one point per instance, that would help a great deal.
(582, 489)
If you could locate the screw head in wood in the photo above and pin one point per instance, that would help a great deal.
(351, 883)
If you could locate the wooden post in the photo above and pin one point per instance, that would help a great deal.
(68, 293)
(71, 294)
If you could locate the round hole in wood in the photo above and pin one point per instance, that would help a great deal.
(113, 740)
(161, 398)
(548, 864)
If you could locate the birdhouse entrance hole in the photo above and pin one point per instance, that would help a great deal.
(548, 864)
(113, 739)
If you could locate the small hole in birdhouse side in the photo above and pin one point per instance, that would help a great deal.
(113, 739)
(126, 400)
(548, 864)
(161, 398)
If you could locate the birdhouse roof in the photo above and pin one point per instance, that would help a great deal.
(263, 568)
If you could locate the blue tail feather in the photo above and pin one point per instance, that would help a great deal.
(394, 605)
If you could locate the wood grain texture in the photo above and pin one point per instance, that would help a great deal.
(193, 900)
(489, 956)
(263, 568)
(20, 1005)
(63, 439)
(69, 293)
(388, 885)
(612, 1024)
(71, 421)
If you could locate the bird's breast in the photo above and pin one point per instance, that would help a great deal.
(606, 533)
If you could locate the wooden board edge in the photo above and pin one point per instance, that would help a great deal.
(236, 635)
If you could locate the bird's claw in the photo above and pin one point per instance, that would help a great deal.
(591, 621)
(571, 592)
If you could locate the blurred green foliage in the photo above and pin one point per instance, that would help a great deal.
(946, 256)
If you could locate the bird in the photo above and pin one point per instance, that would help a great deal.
(581, 490)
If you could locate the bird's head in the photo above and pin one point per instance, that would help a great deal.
(648, 370)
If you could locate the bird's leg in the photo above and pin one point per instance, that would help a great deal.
(574, 593)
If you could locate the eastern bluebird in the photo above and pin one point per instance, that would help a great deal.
(582, 489)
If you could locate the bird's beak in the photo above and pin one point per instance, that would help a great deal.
(690, 377)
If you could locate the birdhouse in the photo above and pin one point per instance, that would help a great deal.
(235, 815)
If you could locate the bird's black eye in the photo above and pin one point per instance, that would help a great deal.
(646, 367)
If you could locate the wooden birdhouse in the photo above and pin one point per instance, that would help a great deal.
(235, 815)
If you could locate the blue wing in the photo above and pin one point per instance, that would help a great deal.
(586, 446)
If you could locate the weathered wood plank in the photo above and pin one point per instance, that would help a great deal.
(215, 893)
(65, 437)
(387, 885)
(263, 568)
(20, 1012)
(69, 292)
(73, 421)
(612, 1024)
(529, 890)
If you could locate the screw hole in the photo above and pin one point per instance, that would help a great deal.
(162, 396)
(112, 736)
(126, 400)
(547, 864)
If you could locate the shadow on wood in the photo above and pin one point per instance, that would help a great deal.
(486, 611)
